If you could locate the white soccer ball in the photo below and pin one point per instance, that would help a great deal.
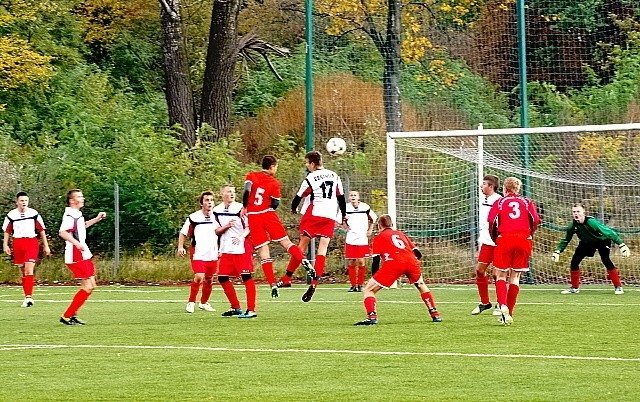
(336, 146)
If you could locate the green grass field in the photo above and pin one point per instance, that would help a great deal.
(139, 344)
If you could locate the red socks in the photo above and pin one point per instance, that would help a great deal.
(295, 253)
(321, 261)
(267, 268)
(512, 297)
(501, 291)
(575, 278)
(230, 292)
(250, 286)
(193, 292)
(360, 278)
(370, 306)
(614, 277)
(351, 269)
(27, 285)
(482, 282)
(207, 287)
(78, 300)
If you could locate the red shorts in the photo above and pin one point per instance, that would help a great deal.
(392, 270)
(266, 227)
(512, 252)
(82, 269)
(236, 264)
(351, 251)
(317, 226)
(25, 249)
(208, 268)
(485, 256)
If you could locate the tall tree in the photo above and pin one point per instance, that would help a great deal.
(178, 92)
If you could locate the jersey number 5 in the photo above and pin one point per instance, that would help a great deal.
(258, 196)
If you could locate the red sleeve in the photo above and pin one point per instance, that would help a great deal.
(275, 189)
(409, 242)
(39, 227)
(533, 211)
(493, 220)
(9, 228)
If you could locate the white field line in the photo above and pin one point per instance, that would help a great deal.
(323, 351)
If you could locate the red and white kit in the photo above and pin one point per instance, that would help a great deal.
(79, 262)
(236, 251)
(323, 187)
(512, 221)
(204, 242)
(359, 219)
(264, 223)
(396, 251)
(24, 228)
(485, 243)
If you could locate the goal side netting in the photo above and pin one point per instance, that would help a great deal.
(434, 191)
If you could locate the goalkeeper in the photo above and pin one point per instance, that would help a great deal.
(593, 236)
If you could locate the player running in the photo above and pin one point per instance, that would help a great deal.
(326, 196)
(400, 257)
(593, 235)
(203, 252)
(236, 253)
(260, 198)
(24, 224)
(513, 220)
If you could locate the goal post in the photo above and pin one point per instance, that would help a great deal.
(433, 180)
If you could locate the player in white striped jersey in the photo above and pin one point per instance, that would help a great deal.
(326, 196)
(236, 252)
(360, 219)
(24, 224)
(486, 246)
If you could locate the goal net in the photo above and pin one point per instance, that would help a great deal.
(434, 192)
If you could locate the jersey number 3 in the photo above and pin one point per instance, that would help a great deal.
(515, 210)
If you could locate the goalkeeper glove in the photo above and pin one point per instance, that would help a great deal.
(555, 256)
(624, 249)
(274, 291)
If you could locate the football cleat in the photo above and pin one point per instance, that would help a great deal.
(76, 321)
(311, 272)
(232, 312)
(497, 310)
(67, 321)
(206, 307)
(283, 284)
(306, 297)
(359, 288)
(367, 321)
(352, 289)
(618, 290)
(248, 314)
(28, 302)
(191, 307)
(481, 307)
(436, 318)
(505, 317)
(274, 291)
(570, 290)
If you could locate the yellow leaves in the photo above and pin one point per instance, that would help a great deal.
(601, 149)
(101, 19)
(20, 65)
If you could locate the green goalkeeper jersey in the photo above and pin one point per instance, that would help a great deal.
(590, 232)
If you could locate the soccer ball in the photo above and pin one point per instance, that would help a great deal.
(336, 146)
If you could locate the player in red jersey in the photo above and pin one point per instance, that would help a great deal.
(77, 255)
(236, 253)
(260, 199)
(486, 245)
(360, 218)
(513, 220)
(400, 257)
(203, 252)
(24, 224)
(323, 188)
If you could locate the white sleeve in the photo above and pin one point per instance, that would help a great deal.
(185, 227)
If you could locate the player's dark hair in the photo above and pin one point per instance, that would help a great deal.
(385, 221)
(268, 161)
(204, 194)
(492, 181)
(71, 192)
(579, 204)
(314, 157)
(21, 194)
